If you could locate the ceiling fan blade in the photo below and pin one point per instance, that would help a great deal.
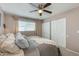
(47, 4)
(40, 6)
(33, 10)
(47, 11)
(33, 5)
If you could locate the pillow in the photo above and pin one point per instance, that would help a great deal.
(21, 42)
(10, 36)
(2, 38)
(9, 47)
(32, 43)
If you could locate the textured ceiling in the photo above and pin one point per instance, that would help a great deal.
(23, 9)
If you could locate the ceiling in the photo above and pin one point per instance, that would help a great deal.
(23, 9)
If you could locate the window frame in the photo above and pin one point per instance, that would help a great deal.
(27, 22)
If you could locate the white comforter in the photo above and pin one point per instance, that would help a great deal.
(41, 40)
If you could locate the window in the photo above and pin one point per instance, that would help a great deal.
(26, 26)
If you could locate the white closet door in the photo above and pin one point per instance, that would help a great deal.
(53, 31)
(58, 32)
(46, 30)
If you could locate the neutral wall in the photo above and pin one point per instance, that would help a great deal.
(72, 27)
(1, 21)
(11, 23)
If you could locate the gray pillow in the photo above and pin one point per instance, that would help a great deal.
(32, 43)
(21, 41)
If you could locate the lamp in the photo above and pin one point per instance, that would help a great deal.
(40, 11)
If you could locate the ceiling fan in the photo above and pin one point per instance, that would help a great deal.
(41, 8)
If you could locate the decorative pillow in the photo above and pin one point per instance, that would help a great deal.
(21, 42)
(9, 47)
(2, 38)
(10, 36)
(32, 43)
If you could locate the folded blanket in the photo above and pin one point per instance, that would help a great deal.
(32, 52)
(48, 50)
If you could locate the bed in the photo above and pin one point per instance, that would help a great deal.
(41, 40)
(48, 47)
(43, 47)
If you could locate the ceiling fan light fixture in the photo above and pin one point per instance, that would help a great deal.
(41, 8)
(40, 11)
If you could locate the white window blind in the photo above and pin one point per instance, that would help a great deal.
(26, 26)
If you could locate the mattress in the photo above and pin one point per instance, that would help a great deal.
(41, 40)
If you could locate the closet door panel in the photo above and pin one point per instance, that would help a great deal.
(46, 30)
(53, 31)
(58, 32)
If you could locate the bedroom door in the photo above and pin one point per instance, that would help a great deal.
(46, 30)
(58, 31)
